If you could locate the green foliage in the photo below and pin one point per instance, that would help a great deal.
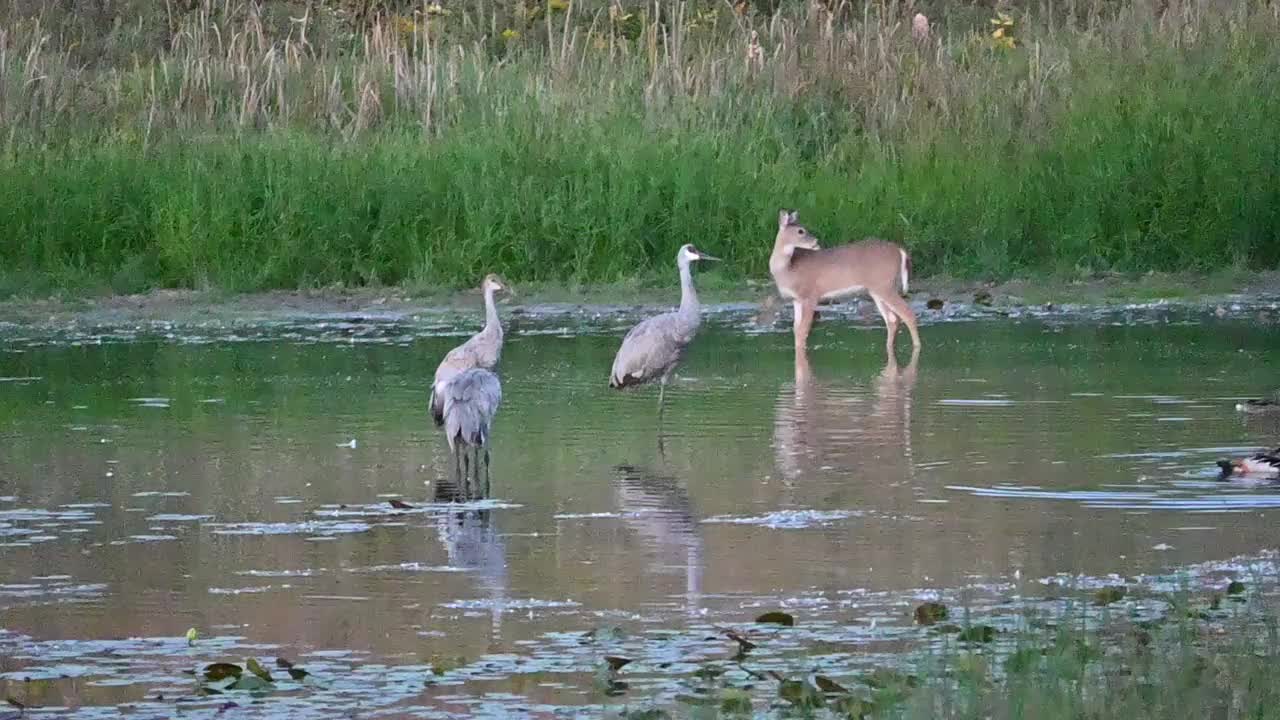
(429, 149)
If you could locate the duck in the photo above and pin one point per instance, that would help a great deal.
(1263, 406)
(1263, 464)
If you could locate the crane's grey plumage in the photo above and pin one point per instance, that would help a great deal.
(653, 349)
(471, 399)
(482, 350)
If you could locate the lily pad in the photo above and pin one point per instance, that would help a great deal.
(930, 613)
(222, 671)
(250, 683)
(615, 662)
(256, 668)
(934, 304)
(294, 671)
(777, 618)
(1235, 587)
(978, 633)
(1108, 595)
(400, 504)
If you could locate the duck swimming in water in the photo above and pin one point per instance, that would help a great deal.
(1263, 464)
(1259, 407)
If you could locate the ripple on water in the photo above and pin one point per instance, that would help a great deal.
(309, 527)
(787, 519)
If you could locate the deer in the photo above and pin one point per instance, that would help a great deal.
(807, 274)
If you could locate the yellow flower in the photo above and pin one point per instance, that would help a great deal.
(510, 35)
(558, 4)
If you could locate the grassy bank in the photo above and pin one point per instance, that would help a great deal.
(272, 146)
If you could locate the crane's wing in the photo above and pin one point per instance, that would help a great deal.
(647, 351)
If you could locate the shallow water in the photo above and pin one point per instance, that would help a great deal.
(238, 482)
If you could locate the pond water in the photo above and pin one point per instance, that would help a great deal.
(238, 482)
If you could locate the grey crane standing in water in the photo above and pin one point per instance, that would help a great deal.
(470, 399)
(652, 349)
(481, 351)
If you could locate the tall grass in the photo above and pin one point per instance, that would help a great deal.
(245, 147)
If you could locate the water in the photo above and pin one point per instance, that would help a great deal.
(238, 482)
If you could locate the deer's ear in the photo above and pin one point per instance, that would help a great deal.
(785, 218)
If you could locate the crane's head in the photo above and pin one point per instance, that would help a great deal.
(495, 284)
(791, 234)
(689, 253)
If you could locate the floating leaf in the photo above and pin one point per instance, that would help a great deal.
(250, 683)
(930, 613)
(934, 304)
(222, 671)
(294, 671)
(1235, 587)
(256, 668)
(1108, 595)
(735, 702)
(400, 504)
(978, 633)
(777, 618)
(827, 685)
(616, 663)
(192, 636)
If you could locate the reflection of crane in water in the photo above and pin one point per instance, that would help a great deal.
(824, 425)
(472, 542)
(658, 508)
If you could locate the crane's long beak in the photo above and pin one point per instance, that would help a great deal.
(704, 256)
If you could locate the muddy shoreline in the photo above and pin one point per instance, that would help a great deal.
(754, 304)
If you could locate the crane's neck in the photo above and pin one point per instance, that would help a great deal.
(491, 322)
(689, 307)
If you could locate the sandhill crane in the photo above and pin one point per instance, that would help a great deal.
(470, 399)
(653, 348)
(481, 351)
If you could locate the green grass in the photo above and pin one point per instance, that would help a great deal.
(235, 159)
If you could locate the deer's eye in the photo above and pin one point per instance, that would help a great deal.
(801, 231)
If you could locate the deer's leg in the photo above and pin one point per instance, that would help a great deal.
(904, 313)
(890, 326)
(801, 324)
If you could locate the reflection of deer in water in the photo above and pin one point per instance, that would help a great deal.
(658, 508)
(820, 424)
(472, 543)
